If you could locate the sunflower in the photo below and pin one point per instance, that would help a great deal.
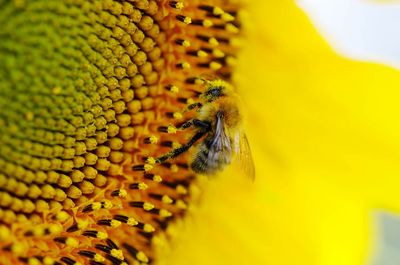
(91, 92)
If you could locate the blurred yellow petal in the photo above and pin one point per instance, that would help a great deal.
(324, 134)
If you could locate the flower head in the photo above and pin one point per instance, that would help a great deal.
(91, 94)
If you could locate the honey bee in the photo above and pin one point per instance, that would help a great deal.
(218, 123)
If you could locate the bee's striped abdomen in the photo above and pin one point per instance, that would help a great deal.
(207, 161)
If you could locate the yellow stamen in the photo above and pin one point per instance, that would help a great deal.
(148, 206)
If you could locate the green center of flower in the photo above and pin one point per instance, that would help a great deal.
(90, 93)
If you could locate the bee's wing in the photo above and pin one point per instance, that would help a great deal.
(220, 148)
(243, 155)
(215, 152)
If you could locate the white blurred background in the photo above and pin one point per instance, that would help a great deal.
(361, 29)
(364, 30)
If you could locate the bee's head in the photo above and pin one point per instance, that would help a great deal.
(216, 89)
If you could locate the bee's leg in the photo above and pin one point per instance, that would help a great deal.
(194, 122)
(204, 125)
(185, 125)
(176, 152)
(194, 105)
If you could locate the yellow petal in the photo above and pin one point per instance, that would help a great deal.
(324, 134)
